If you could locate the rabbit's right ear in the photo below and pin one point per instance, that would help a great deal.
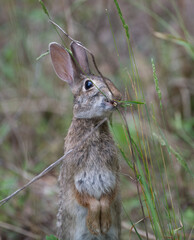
(80, 57)
(62, 63)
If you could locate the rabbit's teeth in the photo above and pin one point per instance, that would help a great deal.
(115, 104)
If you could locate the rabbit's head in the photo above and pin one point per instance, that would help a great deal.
(93, 96)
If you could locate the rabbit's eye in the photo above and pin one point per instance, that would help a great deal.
(88, 84)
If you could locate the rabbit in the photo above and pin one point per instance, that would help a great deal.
(90, 204)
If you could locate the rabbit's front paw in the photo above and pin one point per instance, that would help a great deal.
(93, 223)
(105, 220)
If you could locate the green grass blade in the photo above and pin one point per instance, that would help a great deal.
(148, 197)
(129, 103)
(42, 55)
(125, 26)
(156, 83)
(163, 141)
(44, 8)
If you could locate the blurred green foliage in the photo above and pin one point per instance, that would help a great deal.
(51, 237)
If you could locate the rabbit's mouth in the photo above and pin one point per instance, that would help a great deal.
(110, 103)
(114, 103)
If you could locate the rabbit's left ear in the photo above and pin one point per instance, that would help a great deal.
(62, 63)
(80, 58)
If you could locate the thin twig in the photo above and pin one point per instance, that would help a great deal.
(79, 44)
(127, 175)
(142, 233)
(50, 167)
(19, 230)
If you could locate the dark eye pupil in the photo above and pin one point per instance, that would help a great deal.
(88, 84)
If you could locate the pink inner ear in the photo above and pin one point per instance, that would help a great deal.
(62, 63)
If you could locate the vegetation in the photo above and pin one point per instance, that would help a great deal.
(147, 49)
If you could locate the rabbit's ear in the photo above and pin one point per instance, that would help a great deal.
(62, 63)
(80, 58)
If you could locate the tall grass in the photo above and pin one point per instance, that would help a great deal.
(152, 154)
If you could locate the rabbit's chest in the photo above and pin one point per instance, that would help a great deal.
(95, 182)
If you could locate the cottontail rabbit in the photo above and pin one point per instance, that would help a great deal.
(89, 193)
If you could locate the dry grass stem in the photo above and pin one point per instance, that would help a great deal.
(50, 167)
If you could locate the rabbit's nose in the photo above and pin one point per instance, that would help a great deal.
(113, 97)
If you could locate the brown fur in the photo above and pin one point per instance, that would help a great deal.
(99, 217)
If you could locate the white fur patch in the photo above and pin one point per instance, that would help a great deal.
(95, 183)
